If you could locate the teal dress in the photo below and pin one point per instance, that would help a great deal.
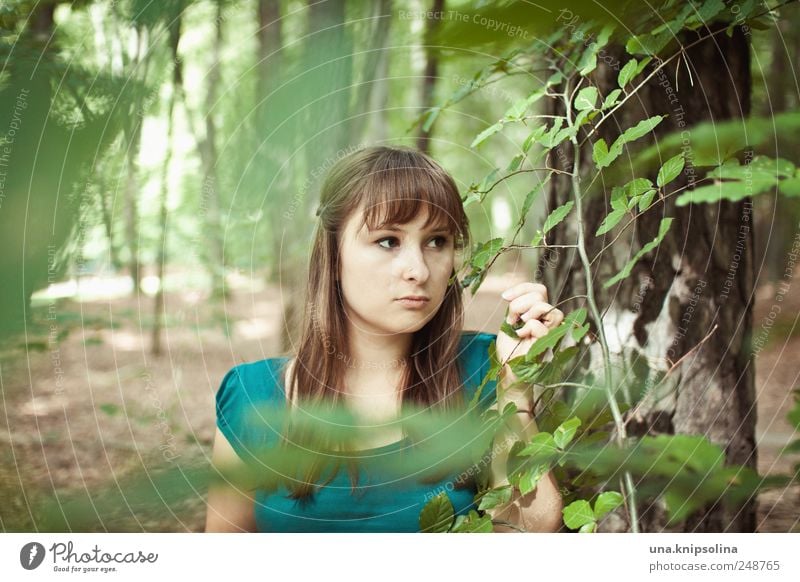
(380, 506)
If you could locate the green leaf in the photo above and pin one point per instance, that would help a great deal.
(437, 515)
(619, 200)
(577, 514)
(606, 501)
(706, 11)
(471, 198)
(600, 152)
(534, 136)
(486, 251)
(790, 187)
(639, 130)
(626, 271)
(530, 478)
(670, 170)
(494, 497)
(646, 200)
(486, 133)
(588, 61)
(648, 44)
(636, 188)
(558, 215)
(542, 446)
(488, 181)
(602, 156)
(626, 74)
(566, 432)
(515, 163)
(472, 523)
(611, 99)
(588, 528)
(553, 220)
(541, 345)
(725, 190)
(610, 221)
(520, 107)
(529, 198)
(586, 99)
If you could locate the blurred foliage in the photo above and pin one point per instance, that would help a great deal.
(291, 96)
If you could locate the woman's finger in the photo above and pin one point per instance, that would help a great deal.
(535, 310)
(533, 329)
(520, 289)
(545, 313)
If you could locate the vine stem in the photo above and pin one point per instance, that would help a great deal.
(598, 318)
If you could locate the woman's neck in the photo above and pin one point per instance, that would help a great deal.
(375, 353)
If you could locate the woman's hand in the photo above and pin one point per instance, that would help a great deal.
(528, 304)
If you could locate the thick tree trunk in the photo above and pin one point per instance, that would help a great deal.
(700, 277)
(431, 72)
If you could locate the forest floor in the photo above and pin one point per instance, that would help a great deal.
(86, 404)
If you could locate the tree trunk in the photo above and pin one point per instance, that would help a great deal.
(177, 81)
(134, 137)
(431, 72)
(328, 57)
(375, 61)
(701, 276)
(209, 192)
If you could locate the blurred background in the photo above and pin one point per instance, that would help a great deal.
(159, 169)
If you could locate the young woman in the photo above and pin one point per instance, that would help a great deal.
(383, 327)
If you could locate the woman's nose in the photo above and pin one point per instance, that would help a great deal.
(413, 266)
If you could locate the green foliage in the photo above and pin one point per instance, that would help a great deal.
(626, 270)
(437, 515)
(494, 497)
(581, 516)
(553, 219)
(472, 523)
(670, 170)
(733, 181)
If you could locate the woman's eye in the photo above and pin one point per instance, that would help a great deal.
(383, 240)
(442, 241)
(436, 242)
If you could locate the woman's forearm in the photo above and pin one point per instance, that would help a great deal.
(540, 509)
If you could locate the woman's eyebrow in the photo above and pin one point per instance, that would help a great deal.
(396, 228)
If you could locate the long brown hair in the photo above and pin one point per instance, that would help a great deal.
(392, 185)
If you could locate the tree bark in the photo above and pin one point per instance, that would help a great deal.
(431, 72)
(701, 276)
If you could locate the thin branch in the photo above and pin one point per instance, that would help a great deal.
(612, 402)
(636, 216)
(514, 173)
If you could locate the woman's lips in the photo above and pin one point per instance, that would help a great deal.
(413, 303)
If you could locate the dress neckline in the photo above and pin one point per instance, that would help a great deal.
(281, 370)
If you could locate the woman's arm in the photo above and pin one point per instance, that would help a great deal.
(230, 508)
(539, 510)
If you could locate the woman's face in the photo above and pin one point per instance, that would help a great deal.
(379, 268)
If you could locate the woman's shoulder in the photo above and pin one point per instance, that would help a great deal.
(477, 339)
(254, 381)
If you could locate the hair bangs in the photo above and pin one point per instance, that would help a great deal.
(400, 187)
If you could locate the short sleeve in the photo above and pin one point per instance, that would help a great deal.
(476, 364)
(245, 407)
